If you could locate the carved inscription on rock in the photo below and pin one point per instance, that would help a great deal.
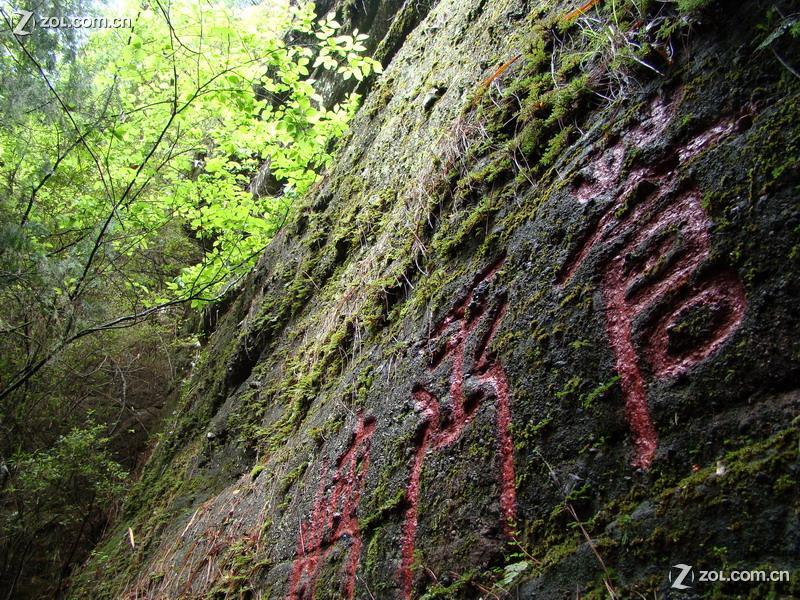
(333, 521)
(461, 339)
(657, 241)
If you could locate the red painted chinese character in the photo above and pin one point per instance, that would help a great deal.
(659, 247)
(333, 520)
(444, 425)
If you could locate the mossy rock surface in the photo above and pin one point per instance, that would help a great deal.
(534, 334)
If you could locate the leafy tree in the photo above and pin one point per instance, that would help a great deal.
(52, 492)
(164, 141)
(126, 157)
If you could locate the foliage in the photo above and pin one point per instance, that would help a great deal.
(126, 160)
(55, 494)
(512, 572)
(78, 467)
(692, 5)
(622, 37)
(162, 143)
(776, 27)
(53, 48)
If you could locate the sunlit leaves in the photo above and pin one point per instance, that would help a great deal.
(176, 118)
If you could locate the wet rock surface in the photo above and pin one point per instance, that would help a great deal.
(514, 324)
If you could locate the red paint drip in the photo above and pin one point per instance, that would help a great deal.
(443, 428)
(618, 326)
(429, 406)
(496, 377)
(333, 519)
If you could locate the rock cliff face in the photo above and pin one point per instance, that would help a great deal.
(536, 332)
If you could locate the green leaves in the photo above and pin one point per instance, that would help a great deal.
(183, 131)
(790, 24)
(77, 470)
(512, 572)
(342, 53)
(129, 187)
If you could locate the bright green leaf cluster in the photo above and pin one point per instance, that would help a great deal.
(180, 113)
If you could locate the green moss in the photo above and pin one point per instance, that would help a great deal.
(256, 471)
(693, 5)
(402, 23)
(556, 146)
(570, 388)
(380, 514)
(587, 400)
(458, 588)
(288, 481)
(479, 216)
